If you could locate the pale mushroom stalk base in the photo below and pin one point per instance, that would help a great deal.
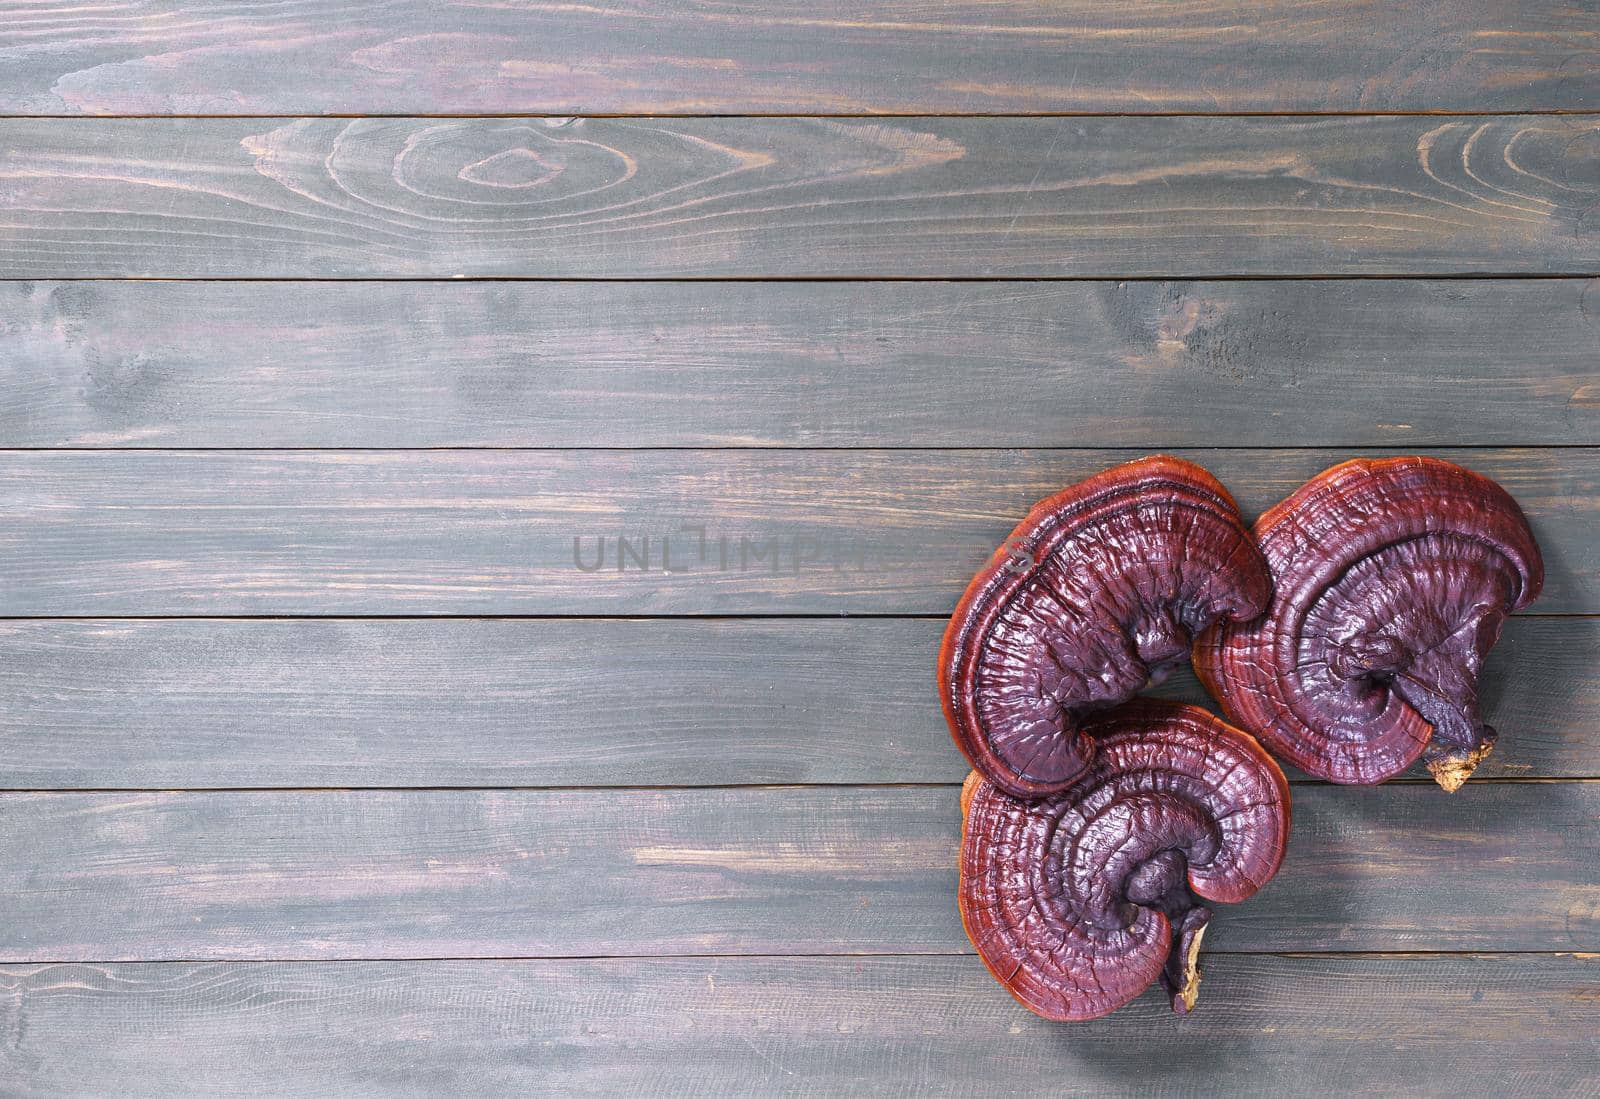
(1162, 884)
(1441, 684)
(1451, 768)
(1181, 977)
(1460, 739)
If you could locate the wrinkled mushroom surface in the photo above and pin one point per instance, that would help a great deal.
(1098, 592)
(1391, 580)
(1078, 901)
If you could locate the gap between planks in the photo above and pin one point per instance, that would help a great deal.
(443, 959)
(732, 616)
(1154, 447)
(569, 788)
(932, 451)
(1452, 275)
(864, 116)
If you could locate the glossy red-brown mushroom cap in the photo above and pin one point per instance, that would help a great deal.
(1391, 581)
(1099, 591)
(1078, 901)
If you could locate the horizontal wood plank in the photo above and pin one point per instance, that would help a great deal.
(1324, 363)
(1265, 1026)
(925, 197)
(760, 56)
(764, 870)
(443, 702)
(537, 532)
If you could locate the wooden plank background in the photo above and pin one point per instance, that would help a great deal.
(209, 703)
(799, 197)
(764, 870)
(967, 56)
(520, 531)
(808, 1026)
(330, 761)
(800, 364)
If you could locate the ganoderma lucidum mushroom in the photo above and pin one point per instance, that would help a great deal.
(1078, 901)
(1392, 579)
(1096, 593)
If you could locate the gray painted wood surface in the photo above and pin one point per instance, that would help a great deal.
(474, 532)
(177, 786)
(120, 703)
(920, 197)
(453, 56)
(1267, 1026)
(438, 364)
(756, 870)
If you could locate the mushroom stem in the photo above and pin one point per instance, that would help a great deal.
(1181, 975)
(1460, 738)
(1451, 767)
(1162, 883)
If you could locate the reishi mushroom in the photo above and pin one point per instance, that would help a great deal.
(1097, 592)
(1078, 901)
(1391, 581)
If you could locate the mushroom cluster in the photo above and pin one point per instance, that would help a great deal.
(1345, 630)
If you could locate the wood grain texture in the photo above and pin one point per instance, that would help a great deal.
(443, 702)
(1265, 1026)
(589, 794)
(925, 197)
(760, 56)
(755, 870)
(1328, 363)
(474, 532)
